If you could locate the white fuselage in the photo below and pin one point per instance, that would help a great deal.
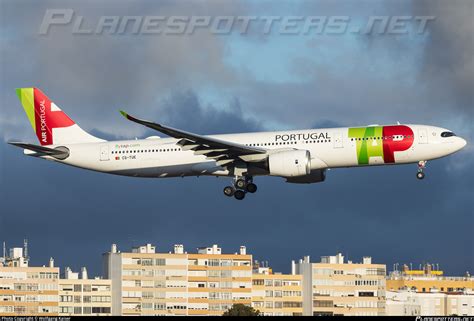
(329, 148)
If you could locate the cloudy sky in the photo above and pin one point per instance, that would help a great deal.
(223, 83)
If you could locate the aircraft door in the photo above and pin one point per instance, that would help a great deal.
(338, 140)
(104, 153)
(422, 136)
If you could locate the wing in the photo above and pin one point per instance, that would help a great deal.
(223, 152)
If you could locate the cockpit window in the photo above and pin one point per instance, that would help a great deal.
(447, 134)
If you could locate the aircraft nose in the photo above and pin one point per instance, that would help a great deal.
(461, 142)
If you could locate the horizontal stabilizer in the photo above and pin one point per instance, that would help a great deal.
(58, 152)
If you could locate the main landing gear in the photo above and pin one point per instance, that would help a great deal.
(240, 187)
(421, 166)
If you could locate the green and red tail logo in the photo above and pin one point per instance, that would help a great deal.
(381, 141)
(43, 114)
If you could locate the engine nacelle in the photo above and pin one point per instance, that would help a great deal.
(316, 176)
(290, 163)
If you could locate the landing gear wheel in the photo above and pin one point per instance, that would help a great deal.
(240, 183)
(251, 188)
(229, 191)
(421, 167)
(239, 194)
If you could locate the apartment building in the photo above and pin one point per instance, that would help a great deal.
(208, 282)
(336, 287)
(399, 304)
(461, 304)
(217, 281)
(277, 294)
(428, 279)
(81, 296)
(409, 302)
(26, 290)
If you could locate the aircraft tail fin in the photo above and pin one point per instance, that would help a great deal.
(51, 125)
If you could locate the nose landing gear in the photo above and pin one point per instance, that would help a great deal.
(421, 166)
(241, 186)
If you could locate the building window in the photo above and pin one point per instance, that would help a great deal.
(100, 310)
(323, 303)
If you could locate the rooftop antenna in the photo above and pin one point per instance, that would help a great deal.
(25, 245)
(4, 250)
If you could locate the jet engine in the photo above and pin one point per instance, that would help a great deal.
(290, 163)
(316, 176)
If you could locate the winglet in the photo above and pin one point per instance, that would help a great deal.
(131, 118)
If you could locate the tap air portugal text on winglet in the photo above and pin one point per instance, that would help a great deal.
(299, 156)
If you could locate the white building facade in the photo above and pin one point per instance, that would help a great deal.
(336, 287)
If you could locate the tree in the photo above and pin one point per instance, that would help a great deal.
(241, 310)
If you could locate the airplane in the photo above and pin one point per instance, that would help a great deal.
(299, 156)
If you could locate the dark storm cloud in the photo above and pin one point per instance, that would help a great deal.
(448, 59)
(75, 215)
(378, 78)
(183, 109)
(206, 119)
(93, 76)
